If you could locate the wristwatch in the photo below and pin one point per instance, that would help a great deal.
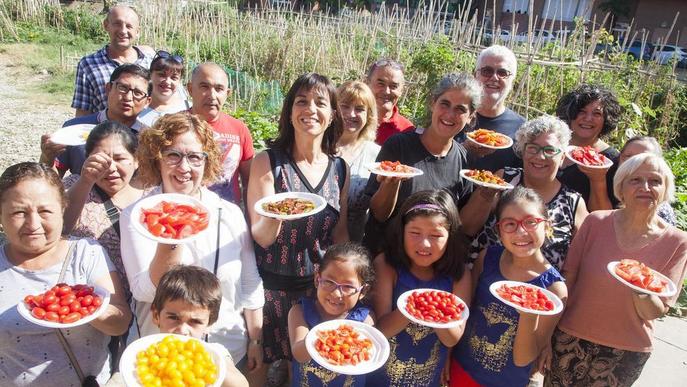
(254, 341)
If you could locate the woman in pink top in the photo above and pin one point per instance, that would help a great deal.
(605, 334)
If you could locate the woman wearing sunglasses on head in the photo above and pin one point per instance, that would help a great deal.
(167, 96)
(182, 157)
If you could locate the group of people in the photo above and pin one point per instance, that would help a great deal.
(253, 286)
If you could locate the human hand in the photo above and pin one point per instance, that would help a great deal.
(97, 166)
(446, 372)
(594, 174)
(544, 359)
(476, 150)
(254, 357)
(390, 180)
(50, 150)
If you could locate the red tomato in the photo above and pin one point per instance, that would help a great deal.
(38, 313)
(49, 298)
(70, 318)
(87, 300)
(64, 310)
(97, 301)
(68, 299)
(63, 290)
(434, 306)
(52, 316)
(53, 307)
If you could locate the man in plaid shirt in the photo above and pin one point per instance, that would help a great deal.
(94, 70)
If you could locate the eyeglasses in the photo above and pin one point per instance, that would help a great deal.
(548, 151)
(124, 90)
(174, 157)
(489, 72)
(330, 286)
(165, 55)
(511, 225)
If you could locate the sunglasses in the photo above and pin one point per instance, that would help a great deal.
(489, 72)
(511, 225)
(165, 55)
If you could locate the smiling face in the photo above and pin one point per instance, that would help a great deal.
(644, 189)
(123, 167)
(354, 115)
(209, 89)
(537, 166)
(386, 84)
(122, 107)
(522, 242)
(122, 26)
(334, 303)
(165, 83)
(311, 112)
(32, 216)
(183, 177)
(450, 113)
(587, 126)
(424, 239)
(182, 318)
(495, 89)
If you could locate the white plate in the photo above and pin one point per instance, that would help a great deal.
(464, 175)
(403, 300)
(374, 168)
(557, 303)
(510, 142)
(151, 201)
(669, 291)
(318, 200)
(379, 351)
(25, 312)
(72, 135)
(570, 148)
(127, 363)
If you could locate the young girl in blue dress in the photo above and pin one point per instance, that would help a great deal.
(501, 344)
(426, 249)
(344, 275)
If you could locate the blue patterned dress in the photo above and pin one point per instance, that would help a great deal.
(417, 356)
(486, 349)
(311, 374)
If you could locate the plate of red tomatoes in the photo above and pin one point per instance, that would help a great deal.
(393, 169)
(527, 298)
(587, 156)
(490, 139)
(641, 278)
(65, 306)
(433, 308)
(347, 347)
(170, 218)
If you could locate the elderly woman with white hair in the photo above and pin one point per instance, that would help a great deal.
(540, 143)
(606, 331)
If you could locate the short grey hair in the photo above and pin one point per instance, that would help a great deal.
(461, 81)
(502, 52)
(381, 63)
(538, 126)
(634, 163)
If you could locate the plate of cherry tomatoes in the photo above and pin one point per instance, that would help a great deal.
(170, 218)
(347, 347)
(587, 156)
(393, 169)
(485, 178)
(172, 360)
(641, 278)
(65, 306)
(527, 298)
(490, 139)
(433, 308)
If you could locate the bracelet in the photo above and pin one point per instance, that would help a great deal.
(254, 342)
(174, 247)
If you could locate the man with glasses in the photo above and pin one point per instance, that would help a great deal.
(209, 89)
(93, 71)
(385, 78)
(496, 70)
(127, 96)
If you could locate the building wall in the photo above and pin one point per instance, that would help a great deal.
(656, 16)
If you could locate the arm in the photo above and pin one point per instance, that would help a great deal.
(298, 329)
(580, 214)
(649, 307)
(81, 112)
(598, 193)
(476, 211)
(115, 320)
(96, 166)
(462, 288)
(383, 201)
(244, 175)
(534, 332)
(254, 326)
(389, 322)
(477, 271)
(50, 151)
(234, 377)
(340, 232)
(261, 184)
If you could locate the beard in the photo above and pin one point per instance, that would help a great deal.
(496, 98)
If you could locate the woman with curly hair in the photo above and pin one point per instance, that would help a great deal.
(181, 157)
(591, 112)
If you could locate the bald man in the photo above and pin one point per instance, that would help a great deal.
(209, 89)
(94, 70)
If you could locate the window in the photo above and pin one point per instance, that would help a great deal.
(515, 6)
(567, 10)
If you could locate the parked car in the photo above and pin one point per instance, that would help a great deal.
(663, 55)
(633, 49)
(488, 36)
(538, 35)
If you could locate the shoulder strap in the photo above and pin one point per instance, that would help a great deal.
(110, 209)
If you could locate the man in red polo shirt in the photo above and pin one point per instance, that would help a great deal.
(386, 80)
(209, 88)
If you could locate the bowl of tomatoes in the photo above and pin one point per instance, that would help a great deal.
(433, 308)
(65, 306)
(170, 218)
(587, 156)
(526, 297)
(366, 347)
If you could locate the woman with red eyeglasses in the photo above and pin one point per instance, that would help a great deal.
(167, 95)
(500, 344)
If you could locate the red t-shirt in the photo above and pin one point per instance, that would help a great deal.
(396, 124)
(236, 145)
